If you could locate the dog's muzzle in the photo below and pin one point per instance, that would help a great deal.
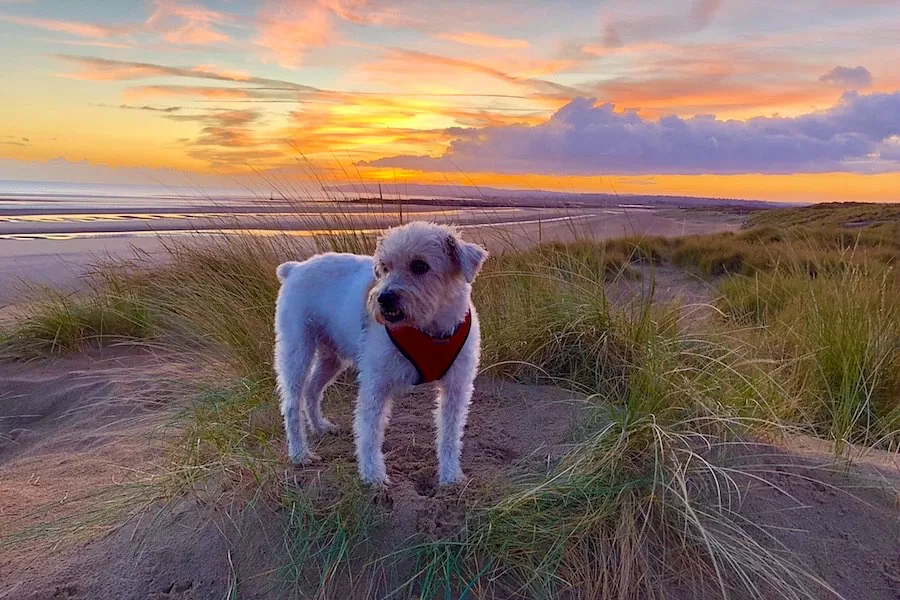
(388, 302)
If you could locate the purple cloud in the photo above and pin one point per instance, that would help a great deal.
(704, 11)
(848, 78)
(611, 38)
(583, 138)
(891, 152)
(653, 26)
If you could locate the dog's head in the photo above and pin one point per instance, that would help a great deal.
(421, 270)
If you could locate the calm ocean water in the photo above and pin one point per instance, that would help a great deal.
(64, 211)
(51, 195)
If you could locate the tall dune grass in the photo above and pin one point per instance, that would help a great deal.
(840, 336)
(57, 322)
(643, 503)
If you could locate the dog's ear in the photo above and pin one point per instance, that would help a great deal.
(378, 240)
(469, 257)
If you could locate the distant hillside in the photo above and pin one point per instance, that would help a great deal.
(846, 215)
(850, 228)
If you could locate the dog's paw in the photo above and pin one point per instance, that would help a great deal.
(454, 478)
(375, 478)
(324, 427)
(377, 482)
(306, 458)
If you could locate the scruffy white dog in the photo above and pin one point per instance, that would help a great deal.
(404, 317)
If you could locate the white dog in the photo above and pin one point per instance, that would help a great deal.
(404, 317)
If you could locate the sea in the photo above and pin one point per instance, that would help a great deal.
(57, 196)
(56, 211)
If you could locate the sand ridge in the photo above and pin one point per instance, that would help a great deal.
(75, 423)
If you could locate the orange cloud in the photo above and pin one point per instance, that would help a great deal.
(211, 117)
(357, 112)
(727, 79)
(196, 34)
(530, 68)
(349, 10)
(599, 49)
(188, 24)
(187, 91)
(467, 117)
(362, 12)
(226, 74)
(699, 95)
(473, 38)
(412, 59)
(114, 72)
(287, 31)
(88, 43)
(370, 125)
(102, 69)
(367, 125)
(230, 140)
(76, 28)
(178, 23)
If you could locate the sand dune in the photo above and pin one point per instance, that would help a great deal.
(83, 424)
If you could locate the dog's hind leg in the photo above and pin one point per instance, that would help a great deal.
(326, 368)
(450, 418)
(293, 358)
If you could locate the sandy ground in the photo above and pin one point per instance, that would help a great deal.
(88, 423)
(73, 427)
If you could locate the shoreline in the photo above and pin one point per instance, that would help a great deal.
(58, 254)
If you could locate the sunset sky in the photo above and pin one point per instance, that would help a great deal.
(784, 100)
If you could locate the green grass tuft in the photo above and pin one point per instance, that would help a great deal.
(839, 337)
(64, 323)
(329, 526)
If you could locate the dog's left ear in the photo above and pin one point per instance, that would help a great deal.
(468, 256)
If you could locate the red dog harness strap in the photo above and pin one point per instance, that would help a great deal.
(431, 356)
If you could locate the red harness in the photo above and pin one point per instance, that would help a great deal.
(431, 356)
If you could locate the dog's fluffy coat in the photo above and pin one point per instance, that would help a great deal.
(328, 315)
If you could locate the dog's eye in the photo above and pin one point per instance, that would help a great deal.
(419, 267)
(380, 269)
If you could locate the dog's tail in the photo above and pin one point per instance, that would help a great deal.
(284, 269)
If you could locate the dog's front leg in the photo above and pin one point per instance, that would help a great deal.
(450, 417)
(373, 409)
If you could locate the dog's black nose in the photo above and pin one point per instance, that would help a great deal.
(387, 299)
